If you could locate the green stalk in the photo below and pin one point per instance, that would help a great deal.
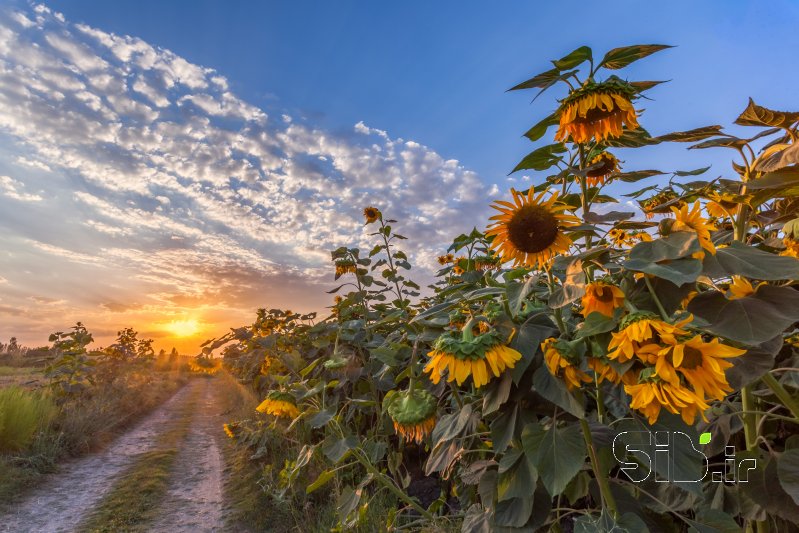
(784, 396)
(749, 418)
(392, 487)
(601, 476)
(662, 310)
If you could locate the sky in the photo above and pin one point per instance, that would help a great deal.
(173, 166)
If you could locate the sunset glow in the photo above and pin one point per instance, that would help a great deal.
(183, 328)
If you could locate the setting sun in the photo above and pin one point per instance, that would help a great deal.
(183, 328)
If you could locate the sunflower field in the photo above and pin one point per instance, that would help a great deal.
(573, 367)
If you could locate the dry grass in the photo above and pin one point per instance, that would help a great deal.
(85, 424)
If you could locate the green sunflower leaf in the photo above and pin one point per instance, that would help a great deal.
(623, 56)
(573, 59)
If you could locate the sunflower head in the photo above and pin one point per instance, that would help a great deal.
(279, 404)
(597, 111)
(791, 247)
(345, 266)
(741, 288)
(465, 354)
(639, 333)
(602, 297)
(660, 203)
(652, 394)
(413, 413)
(371, 214)
(562, 361)
(230, 429)
(601, 167)
(721, 205)
(530, 231)
(691, 219)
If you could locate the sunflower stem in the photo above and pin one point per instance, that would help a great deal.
(656, 299)
(784, 396)
(601, 476)
(749, 418)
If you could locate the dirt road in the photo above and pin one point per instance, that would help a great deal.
(194, 497)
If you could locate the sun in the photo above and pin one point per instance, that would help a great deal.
(183, 328)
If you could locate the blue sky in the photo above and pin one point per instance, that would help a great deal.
(174, 162)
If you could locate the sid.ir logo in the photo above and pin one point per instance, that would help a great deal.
(640, 453)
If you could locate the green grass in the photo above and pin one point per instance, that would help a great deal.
(133, 501)
(22, 413)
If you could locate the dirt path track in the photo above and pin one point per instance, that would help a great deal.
(194, 499)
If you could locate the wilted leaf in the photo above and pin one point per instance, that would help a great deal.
(694, 135)
(755, 115)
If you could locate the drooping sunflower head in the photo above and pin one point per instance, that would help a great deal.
(371, 214)
(686, 219)
(413, 413)
(486, 262)
(791, 247)
(640, 330)
(740, 288)
(530, 231)
(562, 361)
(345, 266)
(699, 363)
(652, 394)
(480, 356)
(597, 111)
(605, 164)
(660, 203)
(722, 205)
(279, 404)
(602, 297)
(230, 429)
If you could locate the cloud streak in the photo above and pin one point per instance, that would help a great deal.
(166, 193)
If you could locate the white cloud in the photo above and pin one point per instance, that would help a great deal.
(12, 189)
(172, 179)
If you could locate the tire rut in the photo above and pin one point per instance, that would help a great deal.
(62, 502)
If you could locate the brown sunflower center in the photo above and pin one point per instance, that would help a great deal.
(596, 114)
(603, 294)
(532, 229)
(606, 166)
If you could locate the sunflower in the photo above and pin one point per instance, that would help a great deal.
(529, 231)
(457, 270)
(606, 164)
(604, 371)
(345, 266)
(721, 205)
(602, 297)
(618, 237)
(371, 214)
(741, 288)
(639, 330)
(468, 354)
(486, 262)
(701, 364)
(685, 301)
(413, 413)
(279, 404)
(598, 111)
(230, 430)
(692, 220)
(791, 247)
(653, 394)
(660, 203)
(559, 356)
(792, 340)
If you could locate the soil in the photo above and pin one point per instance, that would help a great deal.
(194, 498)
